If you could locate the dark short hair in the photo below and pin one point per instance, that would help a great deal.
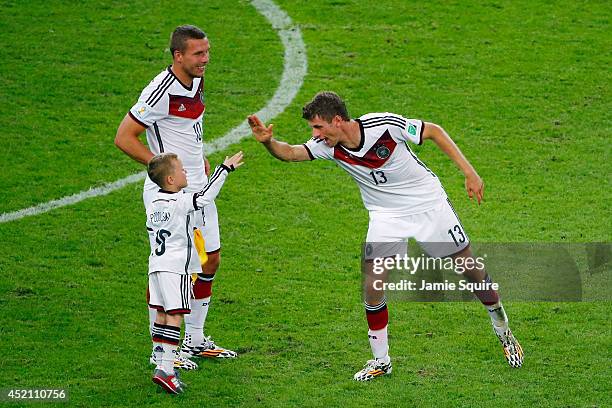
(326, 105)
(180, 35)
(160, 166)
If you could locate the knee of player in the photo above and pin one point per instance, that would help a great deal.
(374, 297)
(160, 317)
(212, 264)
(174, 319)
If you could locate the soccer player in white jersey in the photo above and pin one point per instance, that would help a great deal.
(404, 199)
(172, 260)
(170, 109)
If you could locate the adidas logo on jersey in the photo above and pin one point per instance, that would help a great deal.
(182, 108)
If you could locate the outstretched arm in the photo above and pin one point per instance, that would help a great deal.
(473, 183)
(281, 150)
(210, 191)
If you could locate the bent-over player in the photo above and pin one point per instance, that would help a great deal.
(405, 199)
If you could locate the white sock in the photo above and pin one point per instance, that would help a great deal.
(158, 349)
(172, 335)
(167, 359)
(379, 343)
(205, 306)
(194, 321)
(498, 317)
(158, 354)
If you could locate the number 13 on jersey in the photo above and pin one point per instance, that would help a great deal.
(378, 177)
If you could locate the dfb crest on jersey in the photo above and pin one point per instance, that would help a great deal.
(382, 152)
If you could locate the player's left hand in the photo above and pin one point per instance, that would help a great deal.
(235, 161)
(206, 167)
(474, 187)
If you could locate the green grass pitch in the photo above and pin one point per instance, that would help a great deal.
(523, 87)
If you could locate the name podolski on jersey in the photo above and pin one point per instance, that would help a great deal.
(160, 216)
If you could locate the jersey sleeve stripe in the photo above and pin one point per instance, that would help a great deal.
(376, 118)
(162, 84)
(421, 133)
(398, 122)
(136, 120)
(160, 89)
(200, 193)
(161, 95)
(385, 121)
(309, 152)
(158, 136)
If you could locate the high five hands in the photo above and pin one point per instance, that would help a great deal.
(262, 133)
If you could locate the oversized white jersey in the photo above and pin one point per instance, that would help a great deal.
(170, 226)
(172, 114)
(390, 176)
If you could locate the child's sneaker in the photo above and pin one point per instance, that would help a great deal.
(168, 382)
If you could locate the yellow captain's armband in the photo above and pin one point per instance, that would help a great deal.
(198, 241)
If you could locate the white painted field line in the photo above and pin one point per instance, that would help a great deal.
(294, 71)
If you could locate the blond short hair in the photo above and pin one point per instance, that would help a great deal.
(160, 167)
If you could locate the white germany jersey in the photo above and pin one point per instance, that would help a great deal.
(390, 176)
(170, 226)
(172, 114)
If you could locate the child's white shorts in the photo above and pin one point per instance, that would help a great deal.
(170, 292)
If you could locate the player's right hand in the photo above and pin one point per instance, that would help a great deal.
(262, 133)
(234, 162)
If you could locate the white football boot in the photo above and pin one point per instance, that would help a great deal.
(372, 369)
(207, 349)
(512, 349)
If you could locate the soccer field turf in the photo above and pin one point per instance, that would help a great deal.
(522, 87)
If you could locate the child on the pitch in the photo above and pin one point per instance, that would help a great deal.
(173, 257)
